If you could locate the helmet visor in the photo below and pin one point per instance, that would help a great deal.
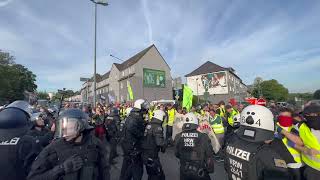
(23, 105)
(145, 105)
(67, 127)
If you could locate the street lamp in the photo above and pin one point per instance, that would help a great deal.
(104, 3)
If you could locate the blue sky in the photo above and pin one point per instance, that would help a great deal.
(270, 39)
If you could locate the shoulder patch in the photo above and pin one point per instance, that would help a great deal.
(148, 126)
(280, 163)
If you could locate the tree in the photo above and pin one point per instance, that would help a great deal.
(255, 88)
(316, 94)
(43, 95)
(15, 79)
(271, 90)
(66, 94)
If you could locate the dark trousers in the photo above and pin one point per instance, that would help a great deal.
(131, 168)
(296, 173)
(157, 165)
(186, 177)
(113, 149)
(187, 174)
(169, 134)
(311, 174)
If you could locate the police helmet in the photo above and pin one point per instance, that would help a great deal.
(199, 108)
(11, 118)
(159, 114)
(141, 104)
(191, 118)
(257, 124)
(71, 122)
(22, 105)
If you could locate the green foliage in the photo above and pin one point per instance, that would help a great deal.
(43, 95)
(65, 93)
(316, 94)
(271, 90)
(15, 79)
(301, 97)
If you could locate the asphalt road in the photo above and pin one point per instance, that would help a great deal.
(170, 167)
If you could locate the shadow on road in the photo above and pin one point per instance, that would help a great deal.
(170, 166)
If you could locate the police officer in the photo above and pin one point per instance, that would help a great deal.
(14, 123)
(122, 123)
(153, 142)
(34, 141)
(249, 154)
(132, 166)
(112, 127)
(76, 154)
(194, 151)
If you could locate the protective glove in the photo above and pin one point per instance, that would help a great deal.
(72, 164)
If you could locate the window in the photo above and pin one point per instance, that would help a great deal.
(123, 73)
(121, 98)
(129, 70)
(121, 85)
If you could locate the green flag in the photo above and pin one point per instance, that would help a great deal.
(187, 97)
(130, 91)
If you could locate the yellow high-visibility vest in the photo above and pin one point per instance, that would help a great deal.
(171, 114)
(294, 153)
(310, 141)
(217, 127)
(150, 113)
(230, 118)
(222, 112)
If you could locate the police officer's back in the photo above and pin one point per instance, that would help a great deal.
(249, 154)
(76, 154)
(152, 143)
(14, 123)
(194, 150)
(112, 126)
(132, 165)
